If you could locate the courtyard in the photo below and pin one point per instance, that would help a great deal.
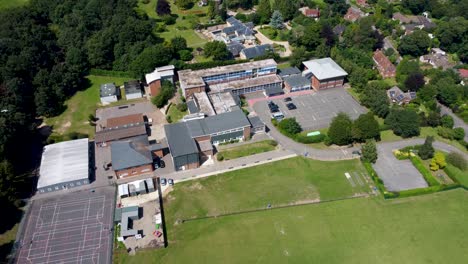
(315, 110)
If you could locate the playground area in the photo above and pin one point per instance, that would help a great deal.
(71, 228)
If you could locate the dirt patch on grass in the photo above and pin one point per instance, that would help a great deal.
(196, 186)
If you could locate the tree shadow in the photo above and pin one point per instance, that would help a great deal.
(5, 250)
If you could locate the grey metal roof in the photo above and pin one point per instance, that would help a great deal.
(256, 51)
(64, 162)
(255, 121)
(179, 140)
(125, 230)
(297, 81)
(192, 107)
(325, 68)
(274, 90)
(225, 121)
(289, 71)
(130, 153)
(157, 146)
(108, 89)
(132, 87)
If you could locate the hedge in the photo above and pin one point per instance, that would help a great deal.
(424, 171)
(427, 190)
(301, 138)
(375, 178)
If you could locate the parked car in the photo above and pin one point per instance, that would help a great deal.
(162, 164)
(163, 181)
(159, 163)
(171, 182)
(278, 116)
(287, 99)
(291, 106)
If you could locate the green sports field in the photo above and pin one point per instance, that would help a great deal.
(425, 229)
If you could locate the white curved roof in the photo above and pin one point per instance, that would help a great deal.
(64, 162)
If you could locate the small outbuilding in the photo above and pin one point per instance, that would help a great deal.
(109, 93)
(296, 83)
(133, 90)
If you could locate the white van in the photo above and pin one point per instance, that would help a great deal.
(278, 116)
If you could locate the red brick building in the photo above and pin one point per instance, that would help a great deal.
(324, 73)
(155, 78)
(384, 65)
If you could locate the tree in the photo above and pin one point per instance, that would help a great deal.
(404, 122)
(338, 6)
(426, 151)
(264, 11)
(339, 132)
(427, 93)
(415, 44)
(415, 6)
(447, 121)
(365, 127)
(458, 133)
(163, 8)
(211, 12)
(167, 92)
(290, 126)
(217, 50)
(223, 11)
(369, 151)
(405, 68)
(157, 55)
(287, 8)
(433, 119)
(298, 55)
(276, 20)
(311, 38)
(178, 43)
(376, 99)
(414, 82)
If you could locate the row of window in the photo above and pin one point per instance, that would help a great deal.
(255, 88)
(240, 138)
(296, 89)
(65, 186)
(228, 131)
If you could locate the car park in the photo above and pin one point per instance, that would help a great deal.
(163, 181)
(171, 182)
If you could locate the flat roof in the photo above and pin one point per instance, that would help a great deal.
(132, 87)
(297, 81)
(189, 78)
(223, 101)
(325, 68)
(110, 134)
(108, 89)
(221, 87)
(204, 104)
(64, 162)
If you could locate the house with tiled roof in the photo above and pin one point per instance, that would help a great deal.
(362, 3)
(384, 65)
(312, 13)
(397, 96)
(354, 14)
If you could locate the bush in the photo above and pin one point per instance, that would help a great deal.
(290, 126)
(458, 133)
(426, 151)
(457, 160)
(272, 143)
(185, 55)
(219, 157)
(304, 139)
(447, 121)
(445, 132)
(182, 107)
(167, 92)
(169, 19)
(169, 119)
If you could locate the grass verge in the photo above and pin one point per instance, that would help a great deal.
(175, 114)
(248, 149)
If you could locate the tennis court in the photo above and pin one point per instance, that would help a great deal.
(71, 228)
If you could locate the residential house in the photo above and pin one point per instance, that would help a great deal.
(438, 59)
(256, 51)
(133, 90)
(397, 96)
(353, 14)
(312, 13)
(235, 30)
(410, 23)
(109, 93)
(131, 157)
(192, 141)
(362, 3)
(324, 73)
(384, 65)
(155, 78)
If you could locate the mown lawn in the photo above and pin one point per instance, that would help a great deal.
(182, 26)
(388, 135)
(4, 4)
(80, 106)
(175, 114)
(248, 149)
(418, 230)
(284, 182)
